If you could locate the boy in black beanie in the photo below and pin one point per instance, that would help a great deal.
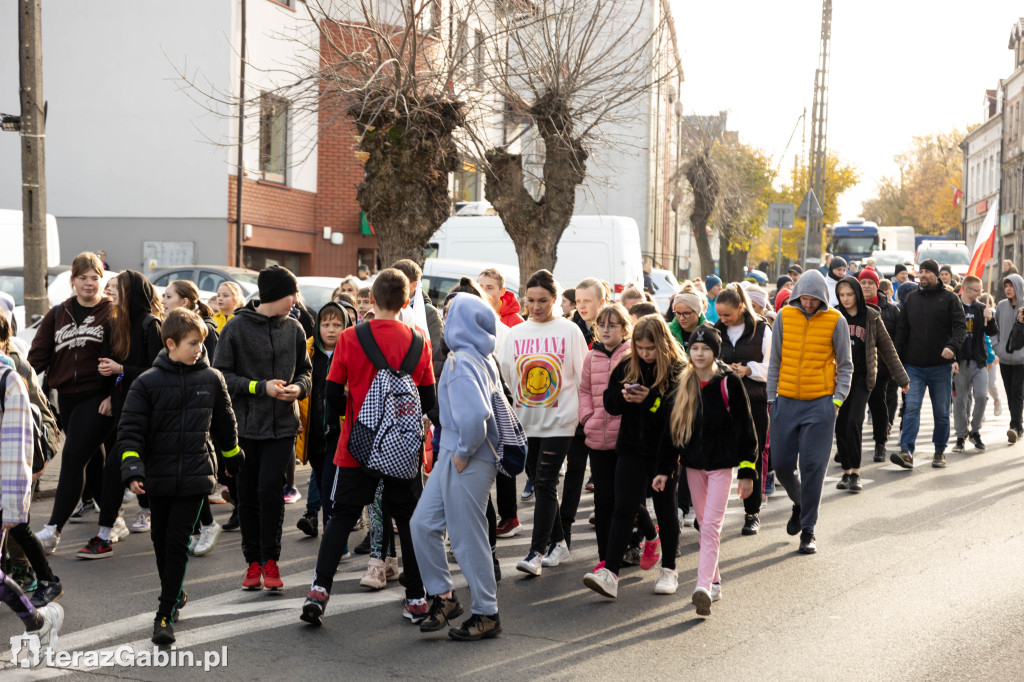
(262, 354)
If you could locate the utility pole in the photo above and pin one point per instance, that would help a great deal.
(819, 125)
(33, 137)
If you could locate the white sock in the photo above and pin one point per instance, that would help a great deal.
(104, 533)
(204, 527)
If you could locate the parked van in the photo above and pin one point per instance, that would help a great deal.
(441, 274)
(605, 247)
(12, 254)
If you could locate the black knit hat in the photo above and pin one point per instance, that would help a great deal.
(709, 336)
(900, 267)
(275, 283)
(931, 265)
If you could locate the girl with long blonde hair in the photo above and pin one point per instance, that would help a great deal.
(229, 299)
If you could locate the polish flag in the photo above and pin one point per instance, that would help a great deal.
(957, 196)
(984, 245)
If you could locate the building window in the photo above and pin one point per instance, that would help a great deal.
(273, 137)
(464, 184)
(478, 58)
(462, 47)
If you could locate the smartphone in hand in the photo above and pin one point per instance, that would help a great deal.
(632, 388)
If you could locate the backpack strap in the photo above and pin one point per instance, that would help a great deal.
(725, 392)
(412, 358)
(370, 347)
(3, 388)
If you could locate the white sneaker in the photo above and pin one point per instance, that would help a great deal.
(532, 564)
(999, 408)
(689, 517)
(207, 539)
(141, 524)
(667, 582)
(53, 619)
(193, 540)
(119, 531)
(702, 600)
(558, 553)
(49, 538)
(603, 582)
(716, 591)
(128, 496)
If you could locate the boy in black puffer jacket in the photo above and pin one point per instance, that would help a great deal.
(164, 435)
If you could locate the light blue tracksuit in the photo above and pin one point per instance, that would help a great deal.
(458, 500)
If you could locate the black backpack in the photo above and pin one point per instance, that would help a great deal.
(42, 448)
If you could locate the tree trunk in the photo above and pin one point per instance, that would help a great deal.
(730, 262)
(701, 176)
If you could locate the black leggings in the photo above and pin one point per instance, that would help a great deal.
(113, 487)
(261, 496)
(850, 426)
(759, 411)
(543, 460)
(171, 525)
(572, 484)
(85, 429)
(882, 402)
(23, 536)
(505, 486)
(632, 480)
(1013, 384)
(602, 469)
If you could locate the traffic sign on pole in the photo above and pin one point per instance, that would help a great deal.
(780, 216)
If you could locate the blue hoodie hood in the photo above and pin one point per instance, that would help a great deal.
(470, 325)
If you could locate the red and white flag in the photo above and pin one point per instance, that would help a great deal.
(984, 245)
(958, 195)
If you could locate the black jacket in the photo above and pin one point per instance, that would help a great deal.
(974, 348)
(730, 438)
(642, 423)
(145, 341)
(930, 320)
(169, 417)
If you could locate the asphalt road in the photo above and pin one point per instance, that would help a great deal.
(918, 577)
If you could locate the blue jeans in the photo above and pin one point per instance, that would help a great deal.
(939, 382)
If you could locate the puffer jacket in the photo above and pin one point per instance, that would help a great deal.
(510, 310)
(600, 428)
(169, 417)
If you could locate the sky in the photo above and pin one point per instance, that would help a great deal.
(899, 68)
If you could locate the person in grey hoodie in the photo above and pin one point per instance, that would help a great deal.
(1011, 365)
(809, 377)
(459, 486)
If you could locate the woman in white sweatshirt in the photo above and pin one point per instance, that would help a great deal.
(541, 361)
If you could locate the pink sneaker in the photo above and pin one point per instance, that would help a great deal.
(598, 567)
(652, 553)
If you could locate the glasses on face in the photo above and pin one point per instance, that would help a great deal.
(684, 314)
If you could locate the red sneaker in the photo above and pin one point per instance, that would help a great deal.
(652, 553)
(272, 576)
(253, 579)
(509, 528)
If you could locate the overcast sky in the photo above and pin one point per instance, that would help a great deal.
(898, 68)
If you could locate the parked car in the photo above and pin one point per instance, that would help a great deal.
(954, 254)
(441, 274)
(886, 261)
(207, 278)
(317, 291)
(665, 286)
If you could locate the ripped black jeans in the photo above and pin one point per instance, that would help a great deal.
(543, 461)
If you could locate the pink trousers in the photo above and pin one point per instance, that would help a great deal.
(709, 491)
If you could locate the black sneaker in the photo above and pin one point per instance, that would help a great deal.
(96, 548)
(975, 439)
(844, 483)
(440, 612)
(163, 632)
(314, 606)
(477, 627)
(939, 460)
(632, 556)
(855, 484)
(308, 524)
(793, 527)
(1011, 435)
(364, 546)
(903, 458)
(879, 452)
(960, 442)
(807, 545)
(232, 523)
(46, 592)
(751, 524)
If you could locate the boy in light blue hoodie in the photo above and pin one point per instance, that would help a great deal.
(456, 494)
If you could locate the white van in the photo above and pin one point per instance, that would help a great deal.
(12, 254)
(605, 247)
(441, 274)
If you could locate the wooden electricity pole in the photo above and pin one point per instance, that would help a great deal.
(33, 137)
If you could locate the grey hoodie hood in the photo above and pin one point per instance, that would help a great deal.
(1006, 315)
(470, 325)
(810, 284)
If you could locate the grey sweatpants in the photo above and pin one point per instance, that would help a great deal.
(801, 432)
(971, 385)
(458, 502)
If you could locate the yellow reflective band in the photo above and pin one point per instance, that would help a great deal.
(747, 465)
(837, 403)
(230, 453)
(252, 387)
(129, 453)
(656, 405)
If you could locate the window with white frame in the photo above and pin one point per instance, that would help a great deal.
(273, 137)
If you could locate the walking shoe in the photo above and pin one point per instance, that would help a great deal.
(509, 528)
(253, 579)
(193, 540)
(557, 553)
(592, 520)
(751, 524)
(226, 496)
(1011, 435)
(272, 576)
(652, 554)
(903, 458)
(844, 483)
(702, 600)
(314, 606)
(364, 546)
(163, 631)
(716, 591)
(96, 548)
(807, 545)
(232, 523)
(291, 494)
(47, 591)
(308, 524)
(999, 407)
(477, 627)
(690, 517)
(119, 531)
(532, 564)
(632, 556)
(141, 523)
(589, 487)
(793, 525)
(53, 618)
(49, 538)
(128, 497)
(667, 582)
(855, 484)
(182, 601)
(83, 510)
(440, 612)
(603, 581)
(391, 568)
(415, 610)
(374, 578)
(25, 577)
(207, 539)
(527, 493)
(600, 565)
(960, 441)
(939, 460)
(975, 439)
(879, 452)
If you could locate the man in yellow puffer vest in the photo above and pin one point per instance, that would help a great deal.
(809, 377)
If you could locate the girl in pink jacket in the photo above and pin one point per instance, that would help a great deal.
(614, 328)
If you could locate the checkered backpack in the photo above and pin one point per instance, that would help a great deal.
(387, 436)
(511, 436)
